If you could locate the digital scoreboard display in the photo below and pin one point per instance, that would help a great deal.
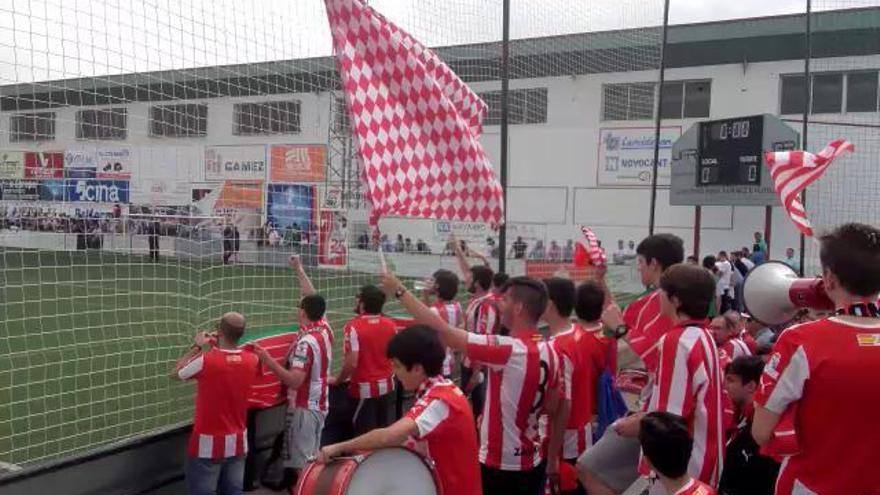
(730, 152)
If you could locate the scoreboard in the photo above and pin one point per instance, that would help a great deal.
(721, 162)
(730, 152)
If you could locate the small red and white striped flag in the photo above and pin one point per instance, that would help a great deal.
(417, 125)
(587, 251)
(793, 171)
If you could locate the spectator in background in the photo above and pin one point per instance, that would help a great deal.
(422, 247)
(399, 246)
(746, 471)
(227, 242)
(762, 335)
(363, 240)
(568, 251)
(492, 247)
(518, 249)
(619, 256)
(385, 242)
(791, 261)
(555, 252)
(631, 250)
(274, 237)
(236, 242)
(408, 245)
(759, 249)
(537, 252)
(692, 260)
(725, 281)
(153, 241)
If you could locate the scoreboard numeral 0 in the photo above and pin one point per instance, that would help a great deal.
(740, 129)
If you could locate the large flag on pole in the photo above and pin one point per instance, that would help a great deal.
(793, 171)
(417, 125)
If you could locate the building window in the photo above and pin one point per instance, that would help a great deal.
(524, 106)
(107, 123)
(861, 92)
(635, 101)
(831, 93)
(271, 117)
(628, 101)
(188, 120)
(792, 101)
(827, 94)
(25, 127)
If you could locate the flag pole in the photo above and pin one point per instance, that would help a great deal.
(659, 106)
(505, 80)
(808, 48)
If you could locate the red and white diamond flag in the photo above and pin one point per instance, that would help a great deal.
(417, 125)
(793, 171)
(587, 251)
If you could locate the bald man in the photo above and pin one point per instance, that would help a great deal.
(224, 375)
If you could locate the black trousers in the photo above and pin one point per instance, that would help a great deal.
(372, 413)
(154, 247)
(496, 481)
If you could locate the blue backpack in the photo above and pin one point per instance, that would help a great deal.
(611, 405)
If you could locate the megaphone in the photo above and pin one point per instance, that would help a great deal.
(773, 294)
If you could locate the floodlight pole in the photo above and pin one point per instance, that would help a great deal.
(656, 163)
(505, 83)
(808, 48)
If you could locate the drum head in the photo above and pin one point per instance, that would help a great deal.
(395, 471)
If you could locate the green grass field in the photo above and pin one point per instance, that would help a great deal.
(87, 340)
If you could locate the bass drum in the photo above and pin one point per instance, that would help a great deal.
(392, 471)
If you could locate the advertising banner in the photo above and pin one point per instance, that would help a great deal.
(298, 163)
(472, 232)
(238, 201)
(332, 245)
(97, 191)
(19, 190)
(43, 165)
(80, 163)
(235, 162)
(114, 163)
(52, 190)
(11, 165)
(626, 155)
(291, 206)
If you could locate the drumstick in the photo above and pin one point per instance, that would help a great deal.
(382, 262)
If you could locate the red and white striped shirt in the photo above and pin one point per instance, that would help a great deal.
(368, 335)
(267, 390)
(450, 312)
(482, 315)
(646, 326)
(224, 379)
(828, 370)
(312, 353)
(583, 356)
(446, 435)
(732, 349)
(689, 384)
(523, 369)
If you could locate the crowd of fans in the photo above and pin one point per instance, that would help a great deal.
(730, 406)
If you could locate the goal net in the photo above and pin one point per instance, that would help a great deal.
(160, 161)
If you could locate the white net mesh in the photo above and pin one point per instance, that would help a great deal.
(215, 129)
(844, 105)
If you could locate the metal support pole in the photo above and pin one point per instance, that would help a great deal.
(808, 48)
(657, 120)
(505, 86)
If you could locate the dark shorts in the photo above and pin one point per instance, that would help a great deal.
(497, 481)
(372, 413)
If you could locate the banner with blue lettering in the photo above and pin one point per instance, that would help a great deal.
(97, 191)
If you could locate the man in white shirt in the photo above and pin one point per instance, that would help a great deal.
(725, 282)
